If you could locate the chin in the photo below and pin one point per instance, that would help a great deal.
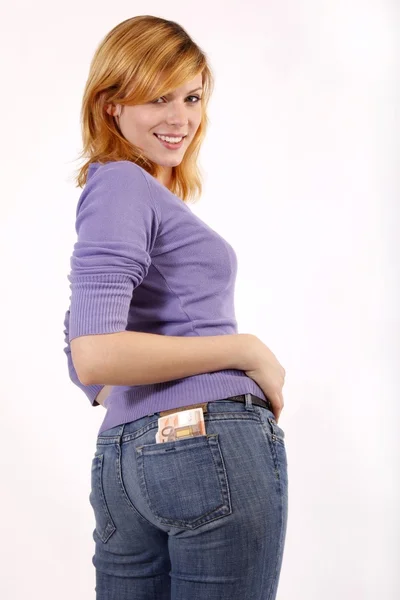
(169, 163)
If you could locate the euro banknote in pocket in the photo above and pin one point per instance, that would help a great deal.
(179, 425)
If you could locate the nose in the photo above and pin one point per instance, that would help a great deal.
(177, 115)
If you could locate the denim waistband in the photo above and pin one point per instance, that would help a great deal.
(231, 404)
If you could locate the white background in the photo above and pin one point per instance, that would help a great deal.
(300, 177)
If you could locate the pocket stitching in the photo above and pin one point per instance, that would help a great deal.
(222, 510)
(276, 436)
(272, 441)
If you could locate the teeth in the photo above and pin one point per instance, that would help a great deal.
(171, 140)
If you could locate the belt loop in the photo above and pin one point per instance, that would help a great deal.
(120, 433)
(248, 402)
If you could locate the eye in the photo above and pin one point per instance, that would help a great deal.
(197, 98)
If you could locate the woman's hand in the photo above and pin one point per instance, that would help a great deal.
(268, 373)
(103, 394)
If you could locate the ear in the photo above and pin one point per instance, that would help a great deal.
(113, 110)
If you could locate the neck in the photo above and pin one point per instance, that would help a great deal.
(165, 176)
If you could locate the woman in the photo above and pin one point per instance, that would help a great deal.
(151, 332)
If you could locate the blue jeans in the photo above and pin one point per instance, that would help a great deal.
(200, 518)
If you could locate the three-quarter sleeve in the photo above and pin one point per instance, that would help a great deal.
(91, 391)
(116, 225)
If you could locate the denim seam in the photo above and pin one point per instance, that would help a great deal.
(277, 439)
(222, 475)
(272, 439)
(99, 458)
(274, 427)
(124, 492)
(272, 591)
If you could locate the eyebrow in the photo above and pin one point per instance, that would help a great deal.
(199, 88)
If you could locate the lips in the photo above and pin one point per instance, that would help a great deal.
(170, 145)
(175, 135)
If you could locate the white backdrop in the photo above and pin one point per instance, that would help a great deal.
(300, 177)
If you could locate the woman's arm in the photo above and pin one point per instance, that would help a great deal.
(132, 358)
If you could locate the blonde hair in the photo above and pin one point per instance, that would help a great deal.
(139, 60)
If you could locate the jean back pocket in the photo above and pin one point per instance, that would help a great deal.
(184, 482)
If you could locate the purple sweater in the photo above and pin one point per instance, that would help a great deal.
(143, 261)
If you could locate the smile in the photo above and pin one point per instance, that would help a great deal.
(171, 145)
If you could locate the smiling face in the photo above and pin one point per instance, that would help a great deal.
(178, 113)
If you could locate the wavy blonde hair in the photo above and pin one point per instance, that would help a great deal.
(139, 60)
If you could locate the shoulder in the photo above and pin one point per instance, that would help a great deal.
(116, 169)
(122, 175)
(120, 181)
(124, 180)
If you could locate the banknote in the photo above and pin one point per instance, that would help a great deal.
(179, 425)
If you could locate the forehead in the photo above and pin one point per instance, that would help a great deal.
(188, 86)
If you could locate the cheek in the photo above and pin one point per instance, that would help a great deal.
(141, 121)
(197, 125)
(195, 119)
(198, 120)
